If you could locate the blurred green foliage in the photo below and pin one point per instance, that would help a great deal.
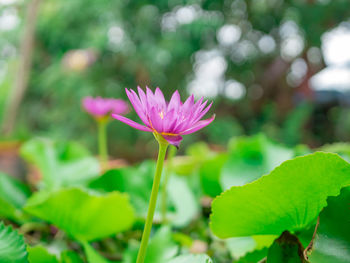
(86, 47)
(100, 219)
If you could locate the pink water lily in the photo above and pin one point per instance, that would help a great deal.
(169, 119)
(100, 107)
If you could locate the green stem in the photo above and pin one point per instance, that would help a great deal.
(163, 145)
(171, 154)
(102, 142)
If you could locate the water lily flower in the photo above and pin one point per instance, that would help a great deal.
(103, 107)
(170, 119)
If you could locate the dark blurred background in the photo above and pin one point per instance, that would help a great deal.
(281, 67)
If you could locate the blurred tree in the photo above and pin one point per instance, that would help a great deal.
(24, 67)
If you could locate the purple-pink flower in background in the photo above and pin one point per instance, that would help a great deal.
(169, 119)
(101, 107)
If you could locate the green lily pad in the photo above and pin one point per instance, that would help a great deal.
(92, 255)
(255, 256)
(341, 148)
(60, 164)
(12, 246)
(289, 198)
(13, 195)
(137, 182)
(39, 254)
(201, 258)
(185, 204)
(210, 172)
(250, 158)
(161, 248)
(332, 243)
(84, 215)
(184, 165)
(240, 246)
(70, 257)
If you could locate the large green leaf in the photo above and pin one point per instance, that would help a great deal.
(181, 197)
(250, 158)
(255, 256)
(84, 215)
(60, 164)
(70, 257)
(92, 255)
(13, 195)
(39, 254)
(12, 246)
(332, 243)
(289, 198)
(240, 246)
(341, 148)
(184, 165)
(137, 182)
(192, 259)
(210, 172)
(161, 248)
(200, 151)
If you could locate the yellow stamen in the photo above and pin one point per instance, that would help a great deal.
(168, 134)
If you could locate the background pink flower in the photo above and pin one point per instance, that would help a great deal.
(100, 107)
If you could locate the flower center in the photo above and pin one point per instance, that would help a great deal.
(161, 114)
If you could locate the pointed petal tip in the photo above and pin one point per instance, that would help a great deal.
(128, 92)
(199, 125)
(131, 123)
(149, 92)
(139, 89)
(159, 92)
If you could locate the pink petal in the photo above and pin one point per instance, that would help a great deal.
(158, 95)
(197, 108)
(187, 106)
(200, 115)
(97, 106)
(156, 120)
(174, 140)
(150, 98)
(136, 103)
(169, 121)
(87, 103)
(118, 106)
(175, 101)
(143, 98)
(199, 125)
(180, 126)
(137, 100)
(131, 123)
(202, 106)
